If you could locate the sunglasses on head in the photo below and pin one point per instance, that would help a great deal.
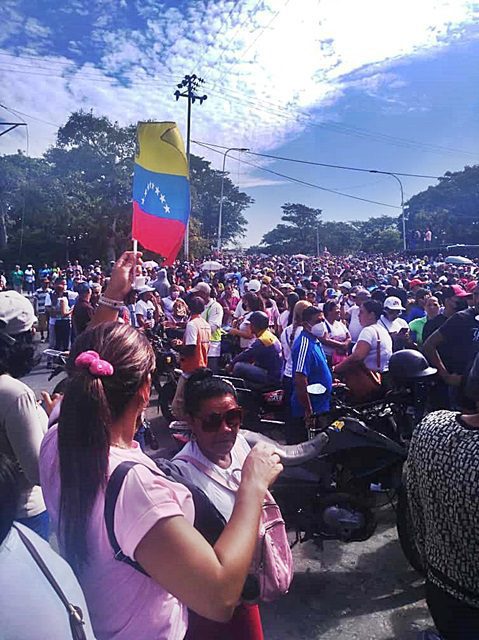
(213, 422)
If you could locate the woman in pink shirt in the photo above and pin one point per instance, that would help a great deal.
(109, 386)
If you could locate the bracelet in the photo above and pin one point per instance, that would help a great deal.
(111, 304)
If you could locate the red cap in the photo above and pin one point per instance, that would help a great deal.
(459, 291)
(415, 282)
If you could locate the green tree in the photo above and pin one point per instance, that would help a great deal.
(298, 235)
(450, 208)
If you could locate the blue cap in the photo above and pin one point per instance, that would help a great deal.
(83, 287)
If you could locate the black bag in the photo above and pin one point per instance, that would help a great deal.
(75, 614)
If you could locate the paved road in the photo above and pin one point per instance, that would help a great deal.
(360, 591)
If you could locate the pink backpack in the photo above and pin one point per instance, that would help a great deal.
(272, 564)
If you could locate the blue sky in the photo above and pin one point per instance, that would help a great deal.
(377, 83)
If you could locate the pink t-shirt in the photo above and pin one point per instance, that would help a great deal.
(123, 603)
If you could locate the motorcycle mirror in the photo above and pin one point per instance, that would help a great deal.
(316, 389)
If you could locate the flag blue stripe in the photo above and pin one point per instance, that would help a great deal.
(161, 194)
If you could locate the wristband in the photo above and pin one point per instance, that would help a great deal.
(110, 303)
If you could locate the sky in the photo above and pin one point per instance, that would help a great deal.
(377, 84)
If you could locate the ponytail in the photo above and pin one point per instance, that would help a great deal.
(91, 404)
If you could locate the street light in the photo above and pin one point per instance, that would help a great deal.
(220, 215)
(389, 173)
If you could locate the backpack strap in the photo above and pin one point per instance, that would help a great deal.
(378, 350)
(208, 520)
(112, 492)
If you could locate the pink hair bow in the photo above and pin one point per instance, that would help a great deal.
(96, 366)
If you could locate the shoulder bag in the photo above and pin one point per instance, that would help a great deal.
(364, 384)
(272, 565)
(75, 614)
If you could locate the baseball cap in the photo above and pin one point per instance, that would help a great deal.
(202, 287)
(455, 290)
(83, 287)
(346, 285)
(331, 293)
(16, 313)
(415, 282)
(393, 303)
(253, 285)
(144, 289)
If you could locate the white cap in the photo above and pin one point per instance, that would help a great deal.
(346, 284)
(253, 285)
(393, 303)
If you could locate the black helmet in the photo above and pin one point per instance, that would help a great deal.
(408, 364)
(259, 319)
(472, 382)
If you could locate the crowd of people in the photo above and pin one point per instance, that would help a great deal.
(286, 322)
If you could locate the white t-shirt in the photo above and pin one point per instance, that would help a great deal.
(246, 342)
(31, 610)
(355, 327)
(283, 319)
(370, 335)
(222, 497)
(286, 343)
(336, 331)
(239, 311)
(147, 310)
(393, 326)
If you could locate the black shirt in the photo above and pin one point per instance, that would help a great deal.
(432, 325)
(461, 334)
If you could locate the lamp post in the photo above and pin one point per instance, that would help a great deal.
(389, 173)
(220, 215)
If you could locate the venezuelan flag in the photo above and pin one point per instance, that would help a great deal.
(161, 190)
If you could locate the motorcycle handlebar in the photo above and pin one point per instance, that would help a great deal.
(290, 454)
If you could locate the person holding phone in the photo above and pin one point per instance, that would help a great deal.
(396, 326)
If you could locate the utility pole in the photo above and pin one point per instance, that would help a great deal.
(317, 241)
(187, 89)
(403, 215)
(220, 215)
(11, 126)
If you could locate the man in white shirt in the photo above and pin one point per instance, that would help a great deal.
(397, 327)
(146, 310)
(213, 314)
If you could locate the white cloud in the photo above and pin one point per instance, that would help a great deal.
(258, 76)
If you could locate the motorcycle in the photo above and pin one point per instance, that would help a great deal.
(167, 373)
(331, 484)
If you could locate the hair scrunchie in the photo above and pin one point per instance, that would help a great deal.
(96, 366)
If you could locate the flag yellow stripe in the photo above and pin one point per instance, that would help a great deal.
(160, 148)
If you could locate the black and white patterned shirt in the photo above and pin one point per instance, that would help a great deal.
(443, 491)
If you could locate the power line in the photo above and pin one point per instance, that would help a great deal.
(308, 184)
(27, 115)
(326, 164)
(263, 29)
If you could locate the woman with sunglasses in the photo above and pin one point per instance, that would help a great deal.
(217, 448)
(111, 366)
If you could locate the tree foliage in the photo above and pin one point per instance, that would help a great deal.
(298, 235)
(450, 209)
(76, 200)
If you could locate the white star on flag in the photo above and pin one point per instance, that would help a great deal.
(157, 191)
(166, 208)
(162, 198)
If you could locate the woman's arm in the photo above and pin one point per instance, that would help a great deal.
(208, 579)
(120, 284)
(245, 333)
(359, 354)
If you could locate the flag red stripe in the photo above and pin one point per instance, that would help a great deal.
(156, 234)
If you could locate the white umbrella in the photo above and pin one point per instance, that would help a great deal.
(457, 260)
(150, 264)
(301, 256)
(211, 265)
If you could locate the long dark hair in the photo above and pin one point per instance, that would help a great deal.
(254, 302)
(17, 358)
(89, 407)
(293, 298)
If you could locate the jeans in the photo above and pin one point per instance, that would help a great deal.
(251, 372)
(39, 523)
(62, 334)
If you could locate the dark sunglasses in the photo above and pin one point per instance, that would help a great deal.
(213, 422)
